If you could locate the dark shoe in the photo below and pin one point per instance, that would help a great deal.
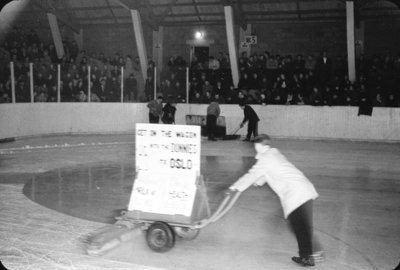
(246, 140)
(309, 261)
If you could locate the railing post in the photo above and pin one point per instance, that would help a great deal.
(187, 85)
(58, 83)
(155, 84)
(89, 94)
(31, 81)
(122, 84)
(12, 82)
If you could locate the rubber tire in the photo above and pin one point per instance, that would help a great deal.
(186, 233)
(160, 237)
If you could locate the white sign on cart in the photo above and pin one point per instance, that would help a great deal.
(167, 165)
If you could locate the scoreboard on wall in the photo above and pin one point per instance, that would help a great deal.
(167, 166)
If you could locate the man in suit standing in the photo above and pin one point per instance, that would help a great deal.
(213, 112)
(249, 116)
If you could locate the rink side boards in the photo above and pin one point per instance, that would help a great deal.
(167, 166)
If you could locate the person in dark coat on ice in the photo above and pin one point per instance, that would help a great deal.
(249, 116)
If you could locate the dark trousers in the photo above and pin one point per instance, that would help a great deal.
(301, 224)
(153, 119)
(211, 126)
(252, 128)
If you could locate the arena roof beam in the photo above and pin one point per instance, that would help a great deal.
(133, 5)
(111, 10)
(197, 10)
(238, 12)
(74, 27)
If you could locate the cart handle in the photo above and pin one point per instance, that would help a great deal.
(226, 204)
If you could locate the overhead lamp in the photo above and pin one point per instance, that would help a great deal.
(199, 35)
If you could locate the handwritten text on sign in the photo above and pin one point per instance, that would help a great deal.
(168, 148)
(167, 164)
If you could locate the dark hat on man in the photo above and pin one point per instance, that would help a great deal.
(242, 103)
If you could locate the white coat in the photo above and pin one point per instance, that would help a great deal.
(289, 183)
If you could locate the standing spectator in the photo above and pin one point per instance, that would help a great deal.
(213, 112)
(323, 69)
(130, 88)
(112, 90)
(251, 117)
(74, 51)
(168, 116)
(295, 192)
(155, 110)
(149, 88)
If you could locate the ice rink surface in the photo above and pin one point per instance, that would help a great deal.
(55, 191)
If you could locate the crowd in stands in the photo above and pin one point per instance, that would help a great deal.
(22, 48)
(265, 78)
(275, 79)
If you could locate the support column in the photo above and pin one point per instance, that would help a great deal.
(242, 34)
(350, 41)
(137, 27)
(158, 41)
(230, 32)
(79, 39)
(55, 33)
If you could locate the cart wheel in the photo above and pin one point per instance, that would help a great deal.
(160, 237)
(186, 233)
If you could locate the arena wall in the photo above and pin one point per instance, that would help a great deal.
(306, 122)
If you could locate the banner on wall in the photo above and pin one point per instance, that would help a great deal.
(167, 166)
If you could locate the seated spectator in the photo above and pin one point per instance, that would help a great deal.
(231, 95)
(299, 99)
(82, 97)
(336, 97)
(179, 90)
(254, 83)
(167, 89)
(94, 98)
(350, 96)
(316, 97)
(278, 96)
(244, 82)
(241, 98)
(219, 89)
(197, 98)
(263, 99)
(392, 101)
(68, 92)
(378, 101)
(327, 96)
(207, 98)
(41, 97)
(219, 98)
(207, 87)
